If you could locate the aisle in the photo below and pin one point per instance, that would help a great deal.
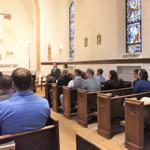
(68, 129)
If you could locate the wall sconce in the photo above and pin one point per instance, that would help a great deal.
(85, 42)
(99, 39)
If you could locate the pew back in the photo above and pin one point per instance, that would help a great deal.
(87, 103)
(46, 138)
(112, 110)
(83, 144)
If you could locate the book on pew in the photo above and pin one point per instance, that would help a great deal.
(8, 146)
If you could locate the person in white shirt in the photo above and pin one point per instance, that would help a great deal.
(77, 82)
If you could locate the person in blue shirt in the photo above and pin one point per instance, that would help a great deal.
(99, 78)
(143, 85)
(24, 111)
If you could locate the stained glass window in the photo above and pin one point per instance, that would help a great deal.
(71, 31)
(133, 27)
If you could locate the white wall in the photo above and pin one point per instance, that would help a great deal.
(18, 32)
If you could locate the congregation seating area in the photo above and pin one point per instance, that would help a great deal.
(111, 112)
(74, 75)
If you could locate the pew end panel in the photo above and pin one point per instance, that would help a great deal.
(69, 100)
(56, 92)
(104, 114)
(134, 124)
(87, 106)
(46, 138)
(82, 107)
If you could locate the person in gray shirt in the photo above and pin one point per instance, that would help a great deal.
(5, 87)
(77, 82)
(91, 84)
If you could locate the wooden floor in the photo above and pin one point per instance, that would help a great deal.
(68, 129)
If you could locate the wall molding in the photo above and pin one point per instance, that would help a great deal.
(107, 61)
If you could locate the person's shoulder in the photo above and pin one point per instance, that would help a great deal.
(5, 103)
(42, 99)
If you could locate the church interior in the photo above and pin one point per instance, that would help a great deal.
(89, 61)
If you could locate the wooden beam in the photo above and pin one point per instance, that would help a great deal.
(107, 61)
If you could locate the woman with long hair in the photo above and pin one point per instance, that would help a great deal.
(114, 82)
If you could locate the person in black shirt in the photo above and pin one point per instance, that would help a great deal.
(64, 79)
(114, 82)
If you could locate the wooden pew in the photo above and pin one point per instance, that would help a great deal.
(56, 92)
(69, 101)
(46, 138)
(87, 103)
(83, 144)
(111, 112)
(8, 146)
(136, 115)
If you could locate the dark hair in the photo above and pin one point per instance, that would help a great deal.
(65, 65)
(22, 79)
(91, 71)
(143, 74)
(5, 82)
(114, 75)
(1, 73)
(78, 72)
(136, 71)
(100, 71)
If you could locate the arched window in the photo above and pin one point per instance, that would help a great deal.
(133, 26)
(71, 31)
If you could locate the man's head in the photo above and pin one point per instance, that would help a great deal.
(77, 73)
(135, 74)
(64, 72)
(143, 74)
(99, 72)
(90, 73)
(22, 79)
(5, 84)
(54, 65)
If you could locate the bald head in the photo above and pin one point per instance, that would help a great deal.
(22, 79)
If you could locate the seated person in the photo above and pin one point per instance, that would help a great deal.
(135, 76)
(24, 111)
(54, 75)
(75, 83)
(6, 90)
(90, 84)
(143, 85)
(99, 78)
(51, 78)
(114, 82)
(64, 79)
